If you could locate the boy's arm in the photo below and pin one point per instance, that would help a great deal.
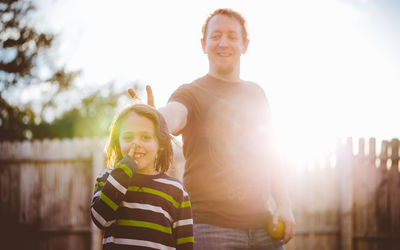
(110, 189)
(183, 225)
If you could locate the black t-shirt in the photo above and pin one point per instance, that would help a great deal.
(226, 143)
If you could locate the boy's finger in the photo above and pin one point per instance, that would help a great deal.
(131, 152)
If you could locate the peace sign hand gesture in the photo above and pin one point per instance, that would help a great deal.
(150, 97)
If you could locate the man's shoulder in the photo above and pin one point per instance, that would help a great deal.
(196, 82)
(189, 88)
(190, 84)
(255, 90)
(251, 84)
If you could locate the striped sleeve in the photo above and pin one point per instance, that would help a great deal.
(183, 225)
(110, 189)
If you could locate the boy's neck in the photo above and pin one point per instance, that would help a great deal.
(148, 172)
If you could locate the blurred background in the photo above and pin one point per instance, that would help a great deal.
(330, 69)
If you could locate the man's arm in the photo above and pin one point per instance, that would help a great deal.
(174, 113)
(284, 210)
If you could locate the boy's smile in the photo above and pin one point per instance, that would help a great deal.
(137, 139)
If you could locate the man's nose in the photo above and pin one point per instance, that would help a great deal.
(223, 42)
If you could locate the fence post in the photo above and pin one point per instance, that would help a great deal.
(345, 168)
(394, 188)
(97, 166)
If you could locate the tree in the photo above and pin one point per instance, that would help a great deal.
(91, 118)
(23, 56)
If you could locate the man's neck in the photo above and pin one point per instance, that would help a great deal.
(229, 77)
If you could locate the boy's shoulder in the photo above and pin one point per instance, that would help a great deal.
(169, 180)
(104, 173)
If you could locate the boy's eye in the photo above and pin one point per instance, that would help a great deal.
(146, 137)
(127, 137)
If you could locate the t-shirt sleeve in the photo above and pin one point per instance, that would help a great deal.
(184, 94)
(183, 224)
(269, 133)
(110, 189)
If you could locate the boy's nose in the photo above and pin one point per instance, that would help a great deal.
(134, 145)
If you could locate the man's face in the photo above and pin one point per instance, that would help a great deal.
(223, 43)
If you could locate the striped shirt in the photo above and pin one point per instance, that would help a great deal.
(139, 211)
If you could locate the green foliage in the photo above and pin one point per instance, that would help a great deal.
(14, 123)
(92, 118)
(22, 53)
(20, 44)
(25, 53)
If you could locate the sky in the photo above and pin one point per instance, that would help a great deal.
(329, 68)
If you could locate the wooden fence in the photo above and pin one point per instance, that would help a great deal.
(351, 203)
(45, 192)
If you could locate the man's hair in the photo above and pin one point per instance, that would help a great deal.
(165, 152)
(230, 13)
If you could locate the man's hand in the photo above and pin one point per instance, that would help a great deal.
(150, 97)
(174, 113)
(285, 215)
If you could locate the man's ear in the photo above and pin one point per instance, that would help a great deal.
(245, 46)
(203, 45)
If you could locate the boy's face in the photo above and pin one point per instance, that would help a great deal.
(224, 44)
(137, 132)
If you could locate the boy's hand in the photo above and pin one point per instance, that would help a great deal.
(131, 152)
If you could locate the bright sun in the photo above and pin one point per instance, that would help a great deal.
(324, 71)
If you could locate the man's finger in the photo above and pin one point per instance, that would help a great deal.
(275, 219)
(150, 97)
(135, 98)
(288, 233)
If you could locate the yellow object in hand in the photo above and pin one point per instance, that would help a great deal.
(278, 232)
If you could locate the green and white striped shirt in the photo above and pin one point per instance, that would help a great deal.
(139, 211)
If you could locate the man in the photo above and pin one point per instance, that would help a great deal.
(231, 168)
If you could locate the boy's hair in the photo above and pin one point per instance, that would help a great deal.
(232, 14)
(165, 152)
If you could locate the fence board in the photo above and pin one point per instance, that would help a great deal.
(394, 191)
(46, 187)
(373, 184)
(346, 195)
(383, 194)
